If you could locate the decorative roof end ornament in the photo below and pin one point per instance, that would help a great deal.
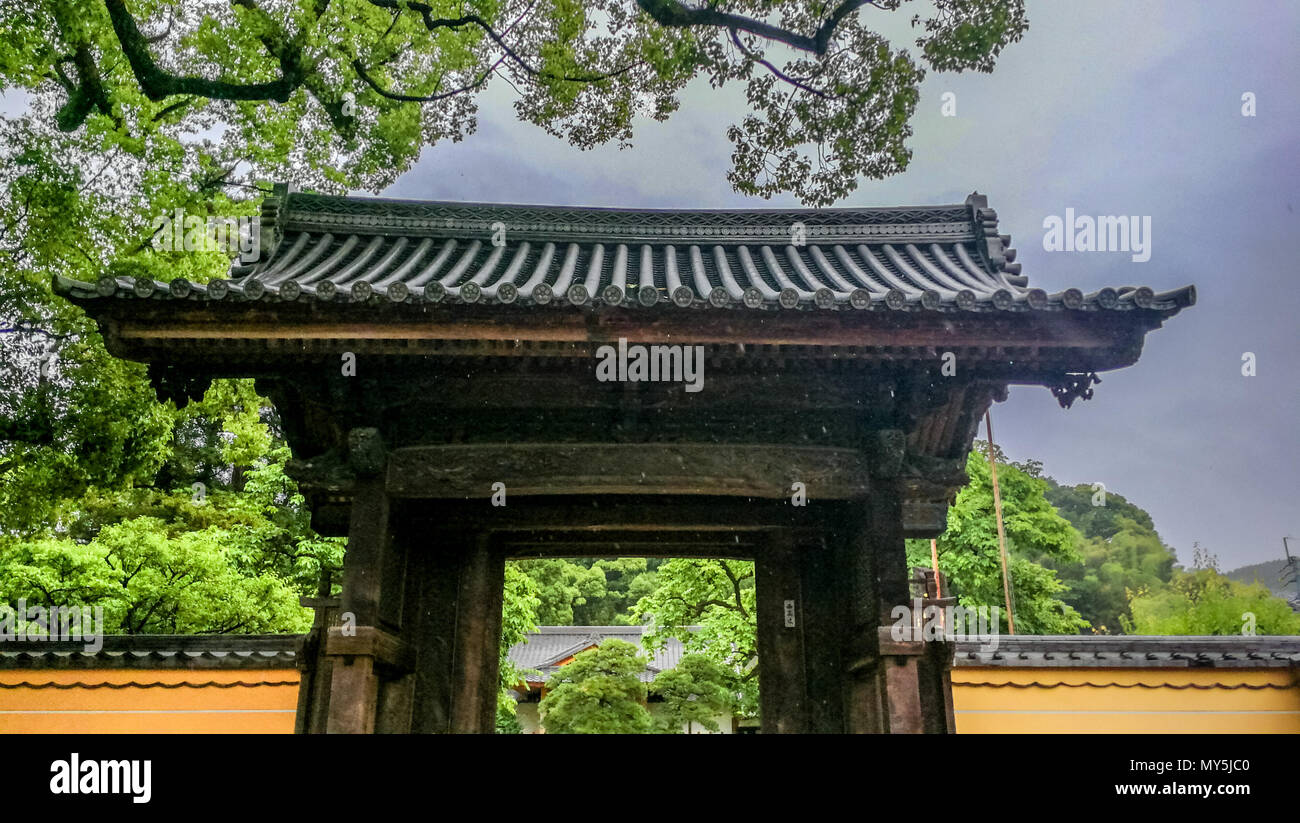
(1074, 386)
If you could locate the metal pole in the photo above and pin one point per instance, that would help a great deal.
(1002, 535)
(1293, 563)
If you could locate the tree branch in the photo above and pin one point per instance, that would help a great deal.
(674, 14)
(735, 585)
(412, 98)
(434, 23)
(735, 38)
(157, 84)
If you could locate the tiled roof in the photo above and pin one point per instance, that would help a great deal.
(542, 650)
(354, 250)
(1132, 652)
(227, 651)
(550, 644)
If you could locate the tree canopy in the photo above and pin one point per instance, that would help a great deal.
(215, 539)
(1119, 552)
(970, 558)
(710, 605)
(366, 84)
(599, 692)
(696, 691)
(1202, 601)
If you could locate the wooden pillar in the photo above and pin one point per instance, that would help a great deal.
(913, 672)
(436, 585)
(918, 685)
(354, 695)
(354, 686)
(455, 633)
(368, 657)
(782, 675)
(900, 664)
(825, 614)
(934, 674)
(315, 669)
(865, 704)
(885, 537)
(398, 614)
(896, 685)
(906, 702)
(478, 638)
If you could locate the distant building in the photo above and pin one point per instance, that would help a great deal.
(551, 647)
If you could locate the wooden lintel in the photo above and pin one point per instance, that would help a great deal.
(632, 536)
(534, 469)
(722, 550)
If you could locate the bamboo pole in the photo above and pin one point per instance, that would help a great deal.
(934, 561)
(938, 586)
(1002, 535)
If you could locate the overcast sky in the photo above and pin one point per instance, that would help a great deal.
(1111, 108)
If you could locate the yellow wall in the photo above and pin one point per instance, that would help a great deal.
(265, 703)
(264, 700)
(1096, 700)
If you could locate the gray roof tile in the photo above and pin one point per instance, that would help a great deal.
(551, 644)
(1132, 651)
(155, 652)
(357, 250)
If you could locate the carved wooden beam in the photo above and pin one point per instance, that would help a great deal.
(766, 471)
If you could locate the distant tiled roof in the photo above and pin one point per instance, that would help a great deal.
(357, 250)
(542, 650)
(1132, 651)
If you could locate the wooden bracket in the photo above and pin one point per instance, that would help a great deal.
(385, 648)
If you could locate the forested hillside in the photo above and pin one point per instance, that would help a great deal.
(1267, 574)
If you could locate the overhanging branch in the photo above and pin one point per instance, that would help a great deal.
(674, 14)
(158, 85)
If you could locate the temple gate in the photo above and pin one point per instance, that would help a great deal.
(426, 358)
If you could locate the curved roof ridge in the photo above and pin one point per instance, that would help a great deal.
(313, 201)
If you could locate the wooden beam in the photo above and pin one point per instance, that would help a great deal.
(766, 471)
(609, 538)
(710, 544)
(610, 515)
(504, 323)
(367, 641)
